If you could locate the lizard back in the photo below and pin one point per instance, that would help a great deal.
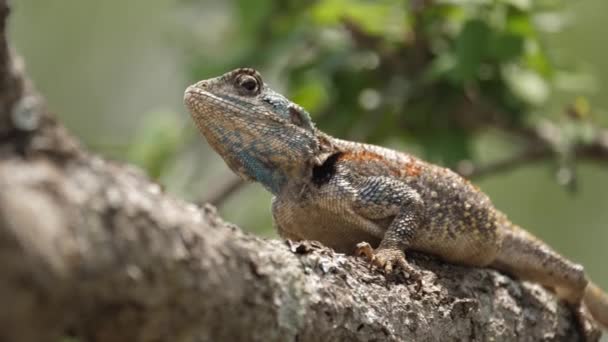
(459, 220)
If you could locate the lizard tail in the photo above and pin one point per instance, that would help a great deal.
(596, 301)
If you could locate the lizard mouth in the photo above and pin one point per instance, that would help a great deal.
(200, 101)
(203, 104)
(195, 97)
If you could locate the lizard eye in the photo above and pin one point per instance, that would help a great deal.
(248, 83)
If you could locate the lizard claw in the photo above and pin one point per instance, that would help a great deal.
(387, 259)
(589, 331)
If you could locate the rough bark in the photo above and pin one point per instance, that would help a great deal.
(91, 248)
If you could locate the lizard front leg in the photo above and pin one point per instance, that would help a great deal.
(383, 197)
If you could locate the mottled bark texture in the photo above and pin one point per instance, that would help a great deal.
(92, 249)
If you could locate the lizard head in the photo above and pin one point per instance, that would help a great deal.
(259, 133)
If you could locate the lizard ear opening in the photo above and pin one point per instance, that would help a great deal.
(326, 150)
(323, 173)
(300, 117)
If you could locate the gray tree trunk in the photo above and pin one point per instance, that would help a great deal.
(93, 250)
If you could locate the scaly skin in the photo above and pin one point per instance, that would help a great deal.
(359, 198)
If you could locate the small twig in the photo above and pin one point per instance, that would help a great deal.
(219, 196)
(539, 149)
(469, 170)
(596, 150)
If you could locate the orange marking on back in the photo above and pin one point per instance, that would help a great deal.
(368, 156)
(361, 156)
(412, 169)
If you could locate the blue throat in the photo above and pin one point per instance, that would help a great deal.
(271, 178)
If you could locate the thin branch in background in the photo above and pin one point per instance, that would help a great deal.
(220, 195)
(539, 148)
(597, 149)
(468, 169)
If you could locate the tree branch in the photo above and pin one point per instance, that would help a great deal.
(92, 249)
(469, 170)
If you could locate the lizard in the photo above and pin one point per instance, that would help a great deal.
(369, 200)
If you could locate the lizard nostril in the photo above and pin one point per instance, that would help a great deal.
(202, 84)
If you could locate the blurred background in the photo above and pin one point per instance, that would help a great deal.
(512, 93)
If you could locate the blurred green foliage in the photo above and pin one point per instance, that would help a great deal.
(156, 143)
(430, 73)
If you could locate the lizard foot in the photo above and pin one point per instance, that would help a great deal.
(387, 259)
(586, 325)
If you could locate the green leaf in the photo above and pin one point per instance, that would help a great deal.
(506, 47)
(521, 24)
(441, 66)
(536, 59)
(471, 48)
(526, 84)
(383, 17)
